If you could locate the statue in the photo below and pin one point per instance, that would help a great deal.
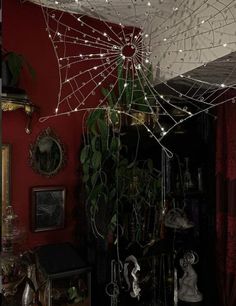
(188, 291)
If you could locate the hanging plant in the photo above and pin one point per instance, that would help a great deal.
(108, 175)
(134, 97)
(113, 183)
(12, 66)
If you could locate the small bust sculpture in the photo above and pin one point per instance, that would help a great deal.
(188, 291)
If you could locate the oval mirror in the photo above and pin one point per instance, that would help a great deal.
(47, 154)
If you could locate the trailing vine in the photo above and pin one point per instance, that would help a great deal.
(112, 182)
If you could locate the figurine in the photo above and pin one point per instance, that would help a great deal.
(188, 291)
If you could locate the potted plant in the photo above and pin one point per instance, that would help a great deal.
(12, 66)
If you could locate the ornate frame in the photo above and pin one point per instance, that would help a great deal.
(48, 208)
(40, 155)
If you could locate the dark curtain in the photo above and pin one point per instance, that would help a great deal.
(226, 200)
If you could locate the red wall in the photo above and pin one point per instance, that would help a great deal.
(24, 32)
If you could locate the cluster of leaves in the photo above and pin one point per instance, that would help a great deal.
(15, 63)
(134, 91)
(110, 179)
(99, 160)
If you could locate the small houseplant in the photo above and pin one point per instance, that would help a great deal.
(12, 66)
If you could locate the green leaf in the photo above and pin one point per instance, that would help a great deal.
(114, 144)
(94, 143)
(112, 193)
(96, 159)
(150, 73)
(114, 117)
(94, 178)
(93, 196)
(123, 162)
(108, 95)
(15, 64)
(85, 178)
(150, 164)
(120, 78)
(84, 154)
(103, 128)
(93, 116)
(128, 90)
(93, 130)
(131, 165)
(105, 197)
(86, 167)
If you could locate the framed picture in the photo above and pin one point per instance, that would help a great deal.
(48, 208)
(6, 152)
(47, 154)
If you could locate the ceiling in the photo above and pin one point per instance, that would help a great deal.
(191, 45)
(180, 35)
(219, 72)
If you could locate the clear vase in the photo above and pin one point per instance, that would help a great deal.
(28, 296)
(188, 184)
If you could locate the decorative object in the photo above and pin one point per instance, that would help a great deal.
(10, 103)
(48, 208)
(31, 287)
(188, 290)
(177, 219)
(135, 292)
(10, 229)
(11, 272)
(47, 154)
(6, 155)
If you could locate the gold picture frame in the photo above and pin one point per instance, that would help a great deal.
(6, 156)
(47, 154)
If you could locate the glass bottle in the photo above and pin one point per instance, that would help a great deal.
(188, 184)
(10, 230)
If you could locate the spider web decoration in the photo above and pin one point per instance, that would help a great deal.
(148, 44)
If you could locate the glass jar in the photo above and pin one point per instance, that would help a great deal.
(10, 230)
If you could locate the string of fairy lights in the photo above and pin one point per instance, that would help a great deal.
(133, 49)
(162, 38)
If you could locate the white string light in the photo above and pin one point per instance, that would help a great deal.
(172, 38)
